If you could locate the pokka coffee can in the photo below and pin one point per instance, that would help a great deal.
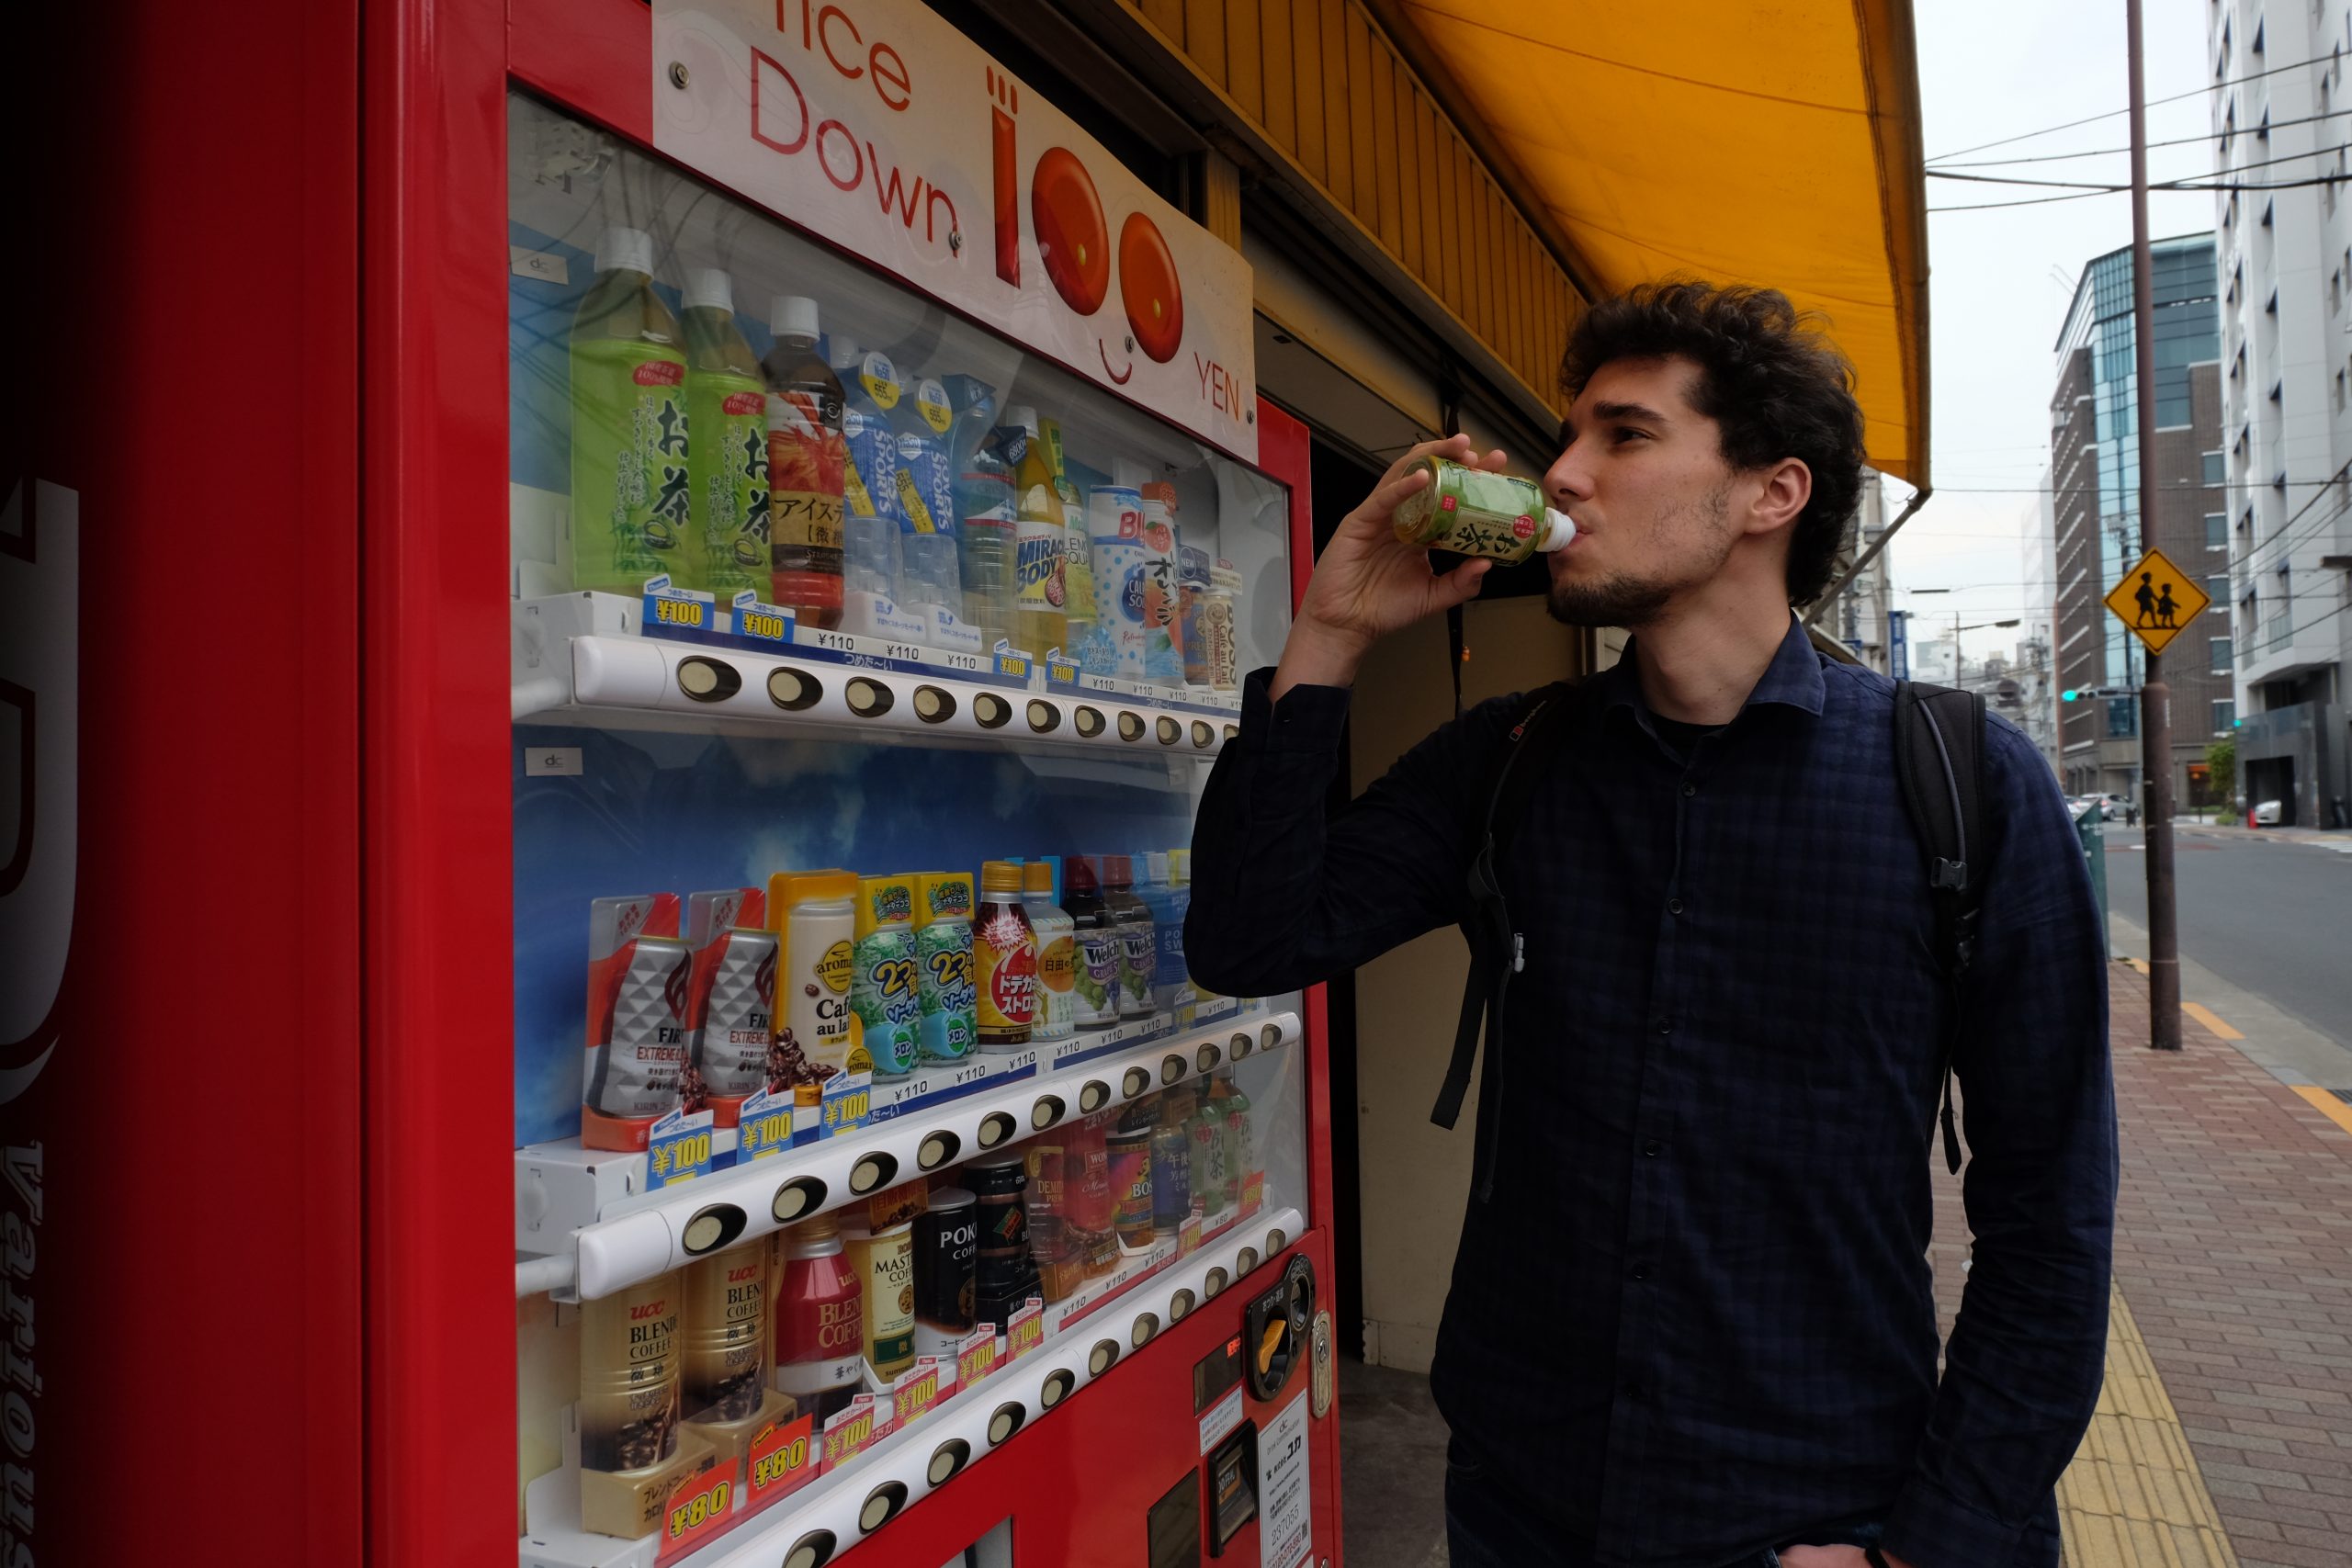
(1474, 513)
(628, 1375)
(947, 1240)
(723, 1334)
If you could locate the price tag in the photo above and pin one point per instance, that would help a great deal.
(677, 609)
(907, 653)
(783, 1459)
(906, 1091)
(1188, 1234)
(697, 1509)
(850, 1431)
(915, 1391)
(968, 663)
(839, 642)
(975, 1356)
(970, 1072)
(1021, 1061)
(1011, 662)
(1026, 1331)
(1060, 672)
(678, 1148)
(1253, 1192)
(764, 1126)
(848, 1102)
(760, 623)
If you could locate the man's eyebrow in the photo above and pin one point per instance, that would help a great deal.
(1628, 411)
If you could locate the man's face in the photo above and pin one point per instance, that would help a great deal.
(1644, 479)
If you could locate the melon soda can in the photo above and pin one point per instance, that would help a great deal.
(882, 993)
(943, 965)
(1474, 513)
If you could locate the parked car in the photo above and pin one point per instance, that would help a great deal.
(2267, 815)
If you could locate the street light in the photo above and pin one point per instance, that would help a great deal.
(1957, 628)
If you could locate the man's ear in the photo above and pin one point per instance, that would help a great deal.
(1788, 485)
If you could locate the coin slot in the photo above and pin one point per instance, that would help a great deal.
(1170, 731)
(1203, 736)
(933, 706)
(1147, 1324)
(1179, 1304)
(707, 680)
(1094, 1096)
(1046, 1112)
(991, 711)
(1206, 1058)
(1058, 1383)
(938, 1149)
(882, 1506)
(867, 699)
(801, 1195)
(1101, 1358)
(872, 1171)
(794, 690)
(1131, 726)
(1044, 716)
(996, 1127)
(1089, 721)
(711, 1228)
(1135, 1083)
(947, 1458)
(1005, 1422)
(811, 1551)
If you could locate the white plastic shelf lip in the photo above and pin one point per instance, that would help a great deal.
(643, 1234)
(833, 1502)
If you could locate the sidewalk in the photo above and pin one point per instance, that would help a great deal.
(2225, 1435)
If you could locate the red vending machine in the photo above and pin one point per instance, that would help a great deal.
(864, 474)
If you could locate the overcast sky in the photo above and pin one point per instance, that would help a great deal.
(2001, 280)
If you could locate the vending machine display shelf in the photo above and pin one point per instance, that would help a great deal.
(578, 659)
(617, 1239)
(843, 1506)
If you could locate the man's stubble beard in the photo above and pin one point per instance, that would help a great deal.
(1625, 600)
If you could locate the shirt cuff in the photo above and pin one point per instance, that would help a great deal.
(1928, 1527)
(1308, 718)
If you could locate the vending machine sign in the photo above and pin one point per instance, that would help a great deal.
(879, 125)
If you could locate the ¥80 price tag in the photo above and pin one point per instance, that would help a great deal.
(678, 1148)
(697, 1510)
(784, 1458)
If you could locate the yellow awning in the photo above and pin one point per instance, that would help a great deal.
(1774, 144)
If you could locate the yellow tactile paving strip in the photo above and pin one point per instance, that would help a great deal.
(2327, 1104)
(2133, 1496)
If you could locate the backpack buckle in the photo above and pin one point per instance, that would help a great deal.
(1949, 876)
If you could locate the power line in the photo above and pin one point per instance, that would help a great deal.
(2097, 187)
(2236, 131)
(2116, 114)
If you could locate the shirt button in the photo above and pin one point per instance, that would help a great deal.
(1666, 1026)
(1674, 905)
(1689, 790)
(1639, 1274)
(1651, 1149)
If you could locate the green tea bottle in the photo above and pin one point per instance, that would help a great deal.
(727, 408)
(630, 489)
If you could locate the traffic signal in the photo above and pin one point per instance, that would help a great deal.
(2068, 695)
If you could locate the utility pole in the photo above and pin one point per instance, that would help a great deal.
(2155, 696)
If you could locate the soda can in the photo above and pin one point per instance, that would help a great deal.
(947, 1237)
(883, 991)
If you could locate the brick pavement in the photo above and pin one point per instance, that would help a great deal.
(2234, 1250)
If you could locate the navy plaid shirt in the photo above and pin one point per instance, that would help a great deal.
(1695, 1319)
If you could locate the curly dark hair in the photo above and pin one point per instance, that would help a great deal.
(1773, 384)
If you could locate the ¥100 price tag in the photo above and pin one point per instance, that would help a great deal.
(975, 1356)
(763, 1126)
(678, 1148)
(1026, 1331)
(916, 1390)
(850, 1431)
(849, 1100)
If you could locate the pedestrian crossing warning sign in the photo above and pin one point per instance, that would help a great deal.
(2157, 599)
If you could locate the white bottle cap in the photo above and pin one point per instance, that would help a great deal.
(1558, 529)
(792, 315)
(625, 250)
(708, 286)
(1156, 865)
(1021, 417)
(844, 355)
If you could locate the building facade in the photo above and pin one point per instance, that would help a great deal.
(2095, 454)
(2284, 260)
(2033, 703)
(1860, 618)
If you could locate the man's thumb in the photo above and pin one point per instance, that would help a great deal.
(1462, 584)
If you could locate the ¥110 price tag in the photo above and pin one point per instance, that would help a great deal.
(970, 1073)
(783, 1459)
(678, 1148)
(1021, 1061)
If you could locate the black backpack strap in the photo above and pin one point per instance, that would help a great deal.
(1495, 954)
(1940, 760)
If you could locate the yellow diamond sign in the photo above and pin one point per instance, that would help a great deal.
(2157, 599)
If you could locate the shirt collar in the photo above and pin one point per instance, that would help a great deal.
(1792, 679)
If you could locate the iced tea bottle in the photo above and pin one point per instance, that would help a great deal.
(806, 458)
(630, 507)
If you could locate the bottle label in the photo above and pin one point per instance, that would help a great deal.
(1057, 979)
(1139, 957)
(1005, 950)
(631, 486)
(950, 997)
(729, 460)
(1040, 566)
(1094, 978)
(886, 998)
(868, 465)
(807, 464)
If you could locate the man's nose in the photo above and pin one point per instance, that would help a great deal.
(1569, 478)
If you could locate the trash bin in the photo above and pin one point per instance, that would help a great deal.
(2091, 824)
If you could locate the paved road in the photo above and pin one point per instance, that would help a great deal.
(2270, 916)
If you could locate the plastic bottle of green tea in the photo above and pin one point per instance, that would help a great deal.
(631, 505)
(1474, 513)
(727, 409)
